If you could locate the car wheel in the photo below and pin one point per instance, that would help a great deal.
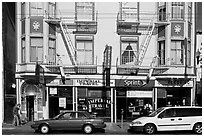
(149, 129)
(44, 129)
(88, 129)
(197, 128)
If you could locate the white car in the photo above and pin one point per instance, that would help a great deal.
(170, 119)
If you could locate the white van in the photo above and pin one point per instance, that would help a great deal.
(170, 119)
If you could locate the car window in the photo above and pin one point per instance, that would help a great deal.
(168, 113)
(81, 115)
(65, 116)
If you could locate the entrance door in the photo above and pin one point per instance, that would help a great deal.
(53, 106)
(30, 107)
(121, 104)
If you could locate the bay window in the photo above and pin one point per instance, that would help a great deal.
(177, 53)
(36, 49)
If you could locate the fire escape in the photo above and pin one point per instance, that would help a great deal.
(69, 26)
(138, 27)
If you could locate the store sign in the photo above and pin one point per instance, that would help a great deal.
(173, 83)
(91, 82)
(138, 94)
(99, 103)
(36, 25)
(177, 29)
(130, 83)
(62, 102)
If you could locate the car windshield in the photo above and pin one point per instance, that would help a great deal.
(154, 113)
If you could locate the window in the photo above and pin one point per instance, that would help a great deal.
(129, 11)
(51, 10)
(177, 50)
(84, 10)
(178, 10)
(162, 11)
(129, 52)
(161, 52)
(189, 11)
(188, 112)
(36, 8)
(23, 10)
(84, 53)
(36, 49)
(51, 51)
(23, 53)
(189, 53)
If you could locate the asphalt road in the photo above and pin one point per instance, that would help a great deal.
(111, 129)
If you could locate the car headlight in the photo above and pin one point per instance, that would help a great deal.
(136, 123)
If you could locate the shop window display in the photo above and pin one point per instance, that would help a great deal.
(95, 102)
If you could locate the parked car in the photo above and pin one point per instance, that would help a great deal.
(70, 120)
(170, 119)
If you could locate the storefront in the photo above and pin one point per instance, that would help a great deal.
(174, 92)
(131, 97)
(81, 95)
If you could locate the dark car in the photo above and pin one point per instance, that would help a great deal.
(70, 120)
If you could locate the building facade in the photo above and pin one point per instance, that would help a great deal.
(8, 60)
(65, 63)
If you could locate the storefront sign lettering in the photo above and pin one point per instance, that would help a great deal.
(92, 82)
(86, 82)
(173, 83)
(136, 83)
(99, 103)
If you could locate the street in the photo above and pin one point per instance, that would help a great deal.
(111, 129)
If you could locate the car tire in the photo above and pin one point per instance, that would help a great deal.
(150, 129)
(88, 129)
(197, 128)
(44, 129)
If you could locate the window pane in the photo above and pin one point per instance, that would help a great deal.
(40, 54)
(33, 54)
(88, 45)
(80, 45)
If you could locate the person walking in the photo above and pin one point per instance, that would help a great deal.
(17, 115)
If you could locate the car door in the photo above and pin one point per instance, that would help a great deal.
(61, 123)
(166, 120)
(184, 118)
(76, 121)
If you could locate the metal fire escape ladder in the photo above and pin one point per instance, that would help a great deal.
(145, 45)
(152, 65)
(68, 43)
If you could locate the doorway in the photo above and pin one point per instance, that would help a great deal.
(30, 108)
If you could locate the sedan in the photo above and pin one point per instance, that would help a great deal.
(70, 120)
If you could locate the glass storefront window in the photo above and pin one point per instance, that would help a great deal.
(95, 101)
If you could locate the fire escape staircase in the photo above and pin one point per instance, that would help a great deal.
(68, 42)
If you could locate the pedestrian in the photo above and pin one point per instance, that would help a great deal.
(17, 115)
(148, 108)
